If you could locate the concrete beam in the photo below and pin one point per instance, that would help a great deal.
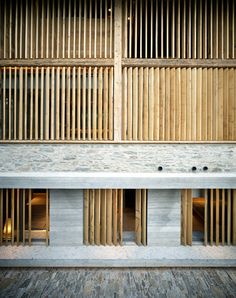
(78, 180)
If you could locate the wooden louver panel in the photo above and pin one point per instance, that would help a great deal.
(103, 217)
(179, 29)
(178, 104)
(219, 217)
(57, 103)
(19, 223)
(57, 29)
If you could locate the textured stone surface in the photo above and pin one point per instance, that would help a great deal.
(117, 157)
(164, 211)
(66, 217)
(117, 283)
(117, 256)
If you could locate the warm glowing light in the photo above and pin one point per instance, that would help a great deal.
(7, 227)
(109, 9)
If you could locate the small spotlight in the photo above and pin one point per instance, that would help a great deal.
(194, 169)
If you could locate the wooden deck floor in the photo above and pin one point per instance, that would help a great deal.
(117, 282)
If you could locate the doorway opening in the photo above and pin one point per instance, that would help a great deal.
(129, 215)
(198, 219)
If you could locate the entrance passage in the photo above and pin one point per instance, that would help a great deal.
(129, 215)
(112, 216)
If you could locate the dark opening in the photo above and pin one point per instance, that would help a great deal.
(129, 215)
(198, 219)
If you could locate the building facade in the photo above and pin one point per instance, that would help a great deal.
(117, 126)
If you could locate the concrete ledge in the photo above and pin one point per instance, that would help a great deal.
(78, 180)
(126, 256)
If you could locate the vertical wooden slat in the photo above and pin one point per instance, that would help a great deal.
(1, 216)
(25, 104)
(141, 30)
(95, 28)
(189, 30)
(103, 217)
(47, 217)
(74, 31)
(110, 113)
(205, 217)
(135, 105)
(84, 104)
(47, 30)
(234, 218)
(5, 30)
(68, 103)
(151, 104)
(94, 128)
(114, 216)
(7, 208)
(21, 32)
(145, 104)
(36, 103)
(17, 217)
(85, 28)
(73, 105)
(4, 104)
(78, 102)
(30, 216)
(91, 217)
(16, 29)
(167, 106)
(120, 207)
(105, 104)
(217, 216)
(223, 217)
(31, 101)
(58, 104)
(86, 216)
(156, 102)
(42, 105)
(47, 106)
(15, 126)
(12, 216)
(52, 106)
(53, 29)
(63, 87)
(111, 29)
(178, 31)
(183, 130)
(229, 220)
(42, 31)
(69, 29)
(90, 29)
(105, 29)
(23, 216)
(97, 216)
(189, 216)
(124, 103)
(167, 28)
(138, 208)
(129, 104)
(63, 28)
(109, 216)
(20, 114)
(211, 215)
(162, 29)
(144, 217)
(140, 104)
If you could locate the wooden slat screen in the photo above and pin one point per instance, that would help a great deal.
(172, 104)
(57, 29)
(219, 217)
(103, 217)
(57, 103)
(179, 29)
(20, 223)
(141, 217)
